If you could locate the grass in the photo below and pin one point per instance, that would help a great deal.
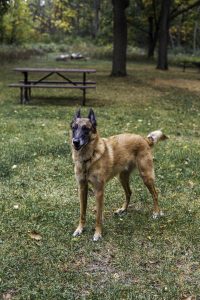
(138, 258)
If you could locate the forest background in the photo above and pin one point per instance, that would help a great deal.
(151, 28)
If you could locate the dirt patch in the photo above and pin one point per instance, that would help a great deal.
(191, 85)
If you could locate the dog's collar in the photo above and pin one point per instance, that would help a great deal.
(89, 159)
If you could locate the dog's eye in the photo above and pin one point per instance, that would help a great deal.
(74, 126)
(85, 128)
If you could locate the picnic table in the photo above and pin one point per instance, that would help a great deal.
(190, 64)
(43, 81)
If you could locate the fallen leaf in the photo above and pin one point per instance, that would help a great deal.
(116, 276)
(152, 262)
(188, 298)
(191, 183)
(35, 236)
(16, 206)
(7, 296)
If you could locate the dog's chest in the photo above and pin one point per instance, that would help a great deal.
(83, 171)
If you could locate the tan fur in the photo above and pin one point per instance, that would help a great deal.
(101, 160)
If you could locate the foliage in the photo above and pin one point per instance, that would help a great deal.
(139, 258)
(4, 5)
(53, 16)
(18, 23)
(47, 21)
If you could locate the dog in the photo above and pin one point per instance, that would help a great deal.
(97, 160)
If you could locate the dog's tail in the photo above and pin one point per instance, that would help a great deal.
(155, 136)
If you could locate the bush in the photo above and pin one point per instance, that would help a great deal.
(11, 53)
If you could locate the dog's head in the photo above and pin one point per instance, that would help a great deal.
(83, 129)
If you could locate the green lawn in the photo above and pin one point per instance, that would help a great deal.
(139, 257)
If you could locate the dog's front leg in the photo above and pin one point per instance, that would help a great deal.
(99, 194)
(83, 192)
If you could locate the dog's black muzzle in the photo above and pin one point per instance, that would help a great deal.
(79, 143)
(76, 143)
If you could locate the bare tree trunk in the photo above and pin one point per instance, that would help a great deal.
(150, 38)
(153, 37)
(171, 40)
(96, 18)
(77, 25)
(120, 38)
(195, 37)
(196, 28)
(164, 36)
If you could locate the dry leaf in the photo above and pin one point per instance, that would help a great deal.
(35, 236)
(189, 298)
(116, 276)
(7, 296)
(16, 206)
(191, 183)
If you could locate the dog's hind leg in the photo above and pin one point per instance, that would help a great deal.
(151, 187)
(83, 193)
(145, 166)
(124, 179)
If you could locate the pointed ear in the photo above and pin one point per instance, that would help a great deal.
(77, 114)
(92, 118)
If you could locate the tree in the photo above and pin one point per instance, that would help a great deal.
(119, 37)
(163, 35)
(96, 21)
(4, 6)
(153, 24)
(17, 23)
(53, 17)
(196, 28)
(166, 16)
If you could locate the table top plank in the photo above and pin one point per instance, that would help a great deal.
(64, 70)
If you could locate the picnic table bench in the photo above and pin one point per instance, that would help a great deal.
(188, 64)
(27, 84)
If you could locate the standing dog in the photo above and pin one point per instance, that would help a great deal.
(97, 160)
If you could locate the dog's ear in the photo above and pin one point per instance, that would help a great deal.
(92, 118)
(77, 114)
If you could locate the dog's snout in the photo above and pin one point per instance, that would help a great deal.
(76, 143)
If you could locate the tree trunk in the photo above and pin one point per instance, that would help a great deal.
(152, 37)
(119, 38)
(1, 31)
(195, 37)
(164, 36)
(196, 28)
(95, 24)
(171, 40)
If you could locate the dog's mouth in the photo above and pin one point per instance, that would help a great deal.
(79, 146)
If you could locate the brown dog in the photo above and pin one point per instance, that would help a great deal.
(97, 160)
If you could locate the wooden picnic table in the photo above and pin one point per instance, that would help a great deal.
(26, 84)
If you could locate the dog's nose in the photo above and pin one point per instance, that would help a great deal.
(76, 143)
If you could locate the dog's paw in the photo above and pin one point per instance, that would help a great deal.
(78, 232)
(156, 215)
(120, 212)
(97, 237)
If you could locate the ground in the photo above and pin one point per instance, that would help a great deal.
(139, 257)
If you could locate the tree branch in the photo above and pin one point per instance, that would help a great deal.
(179, 12)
